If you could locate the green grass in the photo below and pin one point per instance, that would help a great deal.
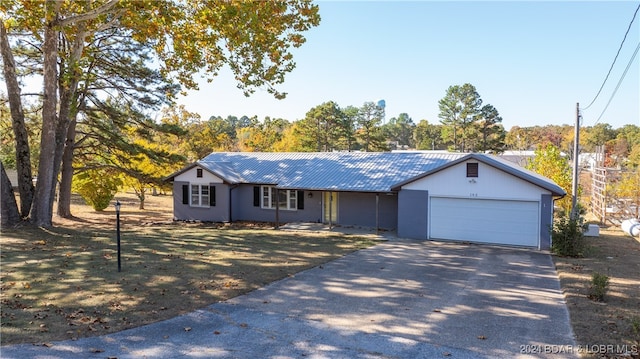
(63, 283)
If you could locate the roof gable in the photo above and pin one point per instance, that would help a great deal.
(501, 164)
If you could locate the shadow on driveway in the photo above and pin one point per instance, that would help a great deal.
(398, 299)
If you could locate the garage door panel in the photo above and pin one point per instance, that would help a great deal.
(482, 220)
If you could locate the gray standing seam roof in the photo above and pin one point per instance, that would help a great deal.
(337, 171)
(347, 171)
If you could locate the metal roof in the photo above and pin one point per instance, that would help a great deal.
(345, 171)
(338, 171)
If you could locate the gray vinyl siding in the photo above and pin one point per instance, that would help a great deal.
(217, 213)
(359, 209)
(413, 214)
(244, 210)
(546, 220)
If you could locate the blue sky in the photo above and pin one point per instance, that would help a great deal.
(533, 61)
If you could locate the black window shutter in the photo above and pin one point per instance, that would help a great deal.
(212, 195)
(185, 194)
(256, 196)
(300, 199)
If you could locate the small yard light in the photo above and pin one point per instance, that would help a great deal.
(118, 230)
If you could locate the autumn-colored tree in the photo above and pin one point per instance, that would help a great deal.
(518, 139)
(176, 122)
(252, 38)
(97, 186)
(549, 162)
(627, 191)
(206, 137)
(598, 135)
(633, 161)
(146, 160)
(290, 140)
(428, 136)
(263, 137)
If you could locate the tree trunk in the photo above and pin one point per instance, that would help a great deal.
(23, 154)
(9, 215)
(66, 177)
(42, 208)
(65, 129)
(62, 137)
(141, 197)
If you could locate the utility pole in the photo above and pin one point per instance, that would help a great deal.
(576, 148)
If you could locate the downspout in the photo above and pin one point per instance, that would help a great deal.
(277, 208)
(377, 212)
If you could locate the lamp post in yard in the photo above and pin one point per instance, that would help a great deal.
(118, 230)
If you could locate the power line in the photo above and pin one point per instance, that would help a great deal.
(619, 82)
(614, 59)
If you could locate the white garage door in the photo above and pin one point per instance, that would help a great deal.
(482, 220)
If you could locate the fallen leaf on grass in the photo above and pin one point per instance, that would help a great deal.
(40, 315)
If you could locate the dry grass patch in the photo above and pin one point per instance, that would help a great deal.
(63, 283)
(614, 322)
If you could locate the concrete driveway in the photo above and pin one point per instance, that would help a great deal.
(398, 299)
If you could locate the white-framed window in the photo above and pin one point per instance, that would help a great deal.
(199, 195)
(287, 199)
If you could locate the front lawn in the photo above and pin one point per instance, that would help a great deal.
(63, 283)
(609, 328)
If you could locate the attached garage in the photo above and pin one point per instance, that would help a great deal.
(478, 199)
(485, 220)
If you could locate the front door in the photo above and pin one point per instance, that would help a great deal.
(330, 206)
